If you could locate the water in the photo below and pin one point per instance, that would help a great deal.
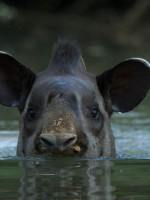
(29, 37)
(74, 179)
(132, 131)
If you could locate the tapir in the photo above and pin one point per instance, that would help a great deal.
(64, 110)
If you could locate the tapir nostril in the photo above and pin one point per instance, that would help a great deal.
(46, 142)
(69, 141)
(58, 143)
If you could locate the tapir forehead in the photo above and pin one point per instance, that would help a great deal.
(44, 89)
(63, 84)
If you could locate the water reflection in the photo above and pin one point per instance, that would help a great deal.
(66, 179)
(74, 179)
(99, 179)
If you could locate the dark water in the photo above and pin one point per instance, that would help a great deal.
(74, 179)
(29, 36)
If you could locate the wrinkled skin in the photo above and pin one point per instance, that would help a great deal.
(65, 111)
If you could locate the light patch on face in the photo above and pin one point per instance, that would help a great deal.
(108, 143)
(58, 123)
(30, 146)
(108, 146)
(27, 144)
(93, 148)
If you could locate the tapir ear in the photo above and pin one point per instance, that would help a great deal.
(125, 85)
(15, 81)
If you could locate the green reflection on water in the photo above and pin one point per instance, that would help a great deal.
(69, 178)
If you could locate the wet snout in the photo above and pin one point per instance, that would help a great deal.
(58, 143)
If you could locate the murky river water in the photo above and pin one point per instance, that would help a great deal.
(126, 177)
(74, 179)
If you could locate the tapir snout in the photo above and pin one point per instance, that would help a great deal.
(59, 143)
(65, 110)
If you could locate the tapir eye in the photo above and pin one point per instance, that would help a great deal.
(31, 114)
(95, 113)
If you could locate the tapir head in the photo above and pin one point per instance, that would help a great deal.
(65, 110)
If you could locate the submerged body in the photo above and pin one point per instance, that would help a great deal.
(65, 110)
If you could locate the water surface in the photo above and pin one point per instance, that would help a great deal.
(69, 178)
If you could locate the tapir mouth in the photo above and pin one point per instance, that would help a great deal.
(70, 151)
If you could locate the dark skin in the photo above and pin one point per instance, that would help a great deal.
(65, 110)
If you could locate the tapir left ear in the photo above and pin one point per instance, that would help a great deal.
(16, 81)
(125, 85)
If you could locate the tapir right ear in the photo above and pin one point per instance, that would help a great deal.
(124, 86)
(15, 81)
